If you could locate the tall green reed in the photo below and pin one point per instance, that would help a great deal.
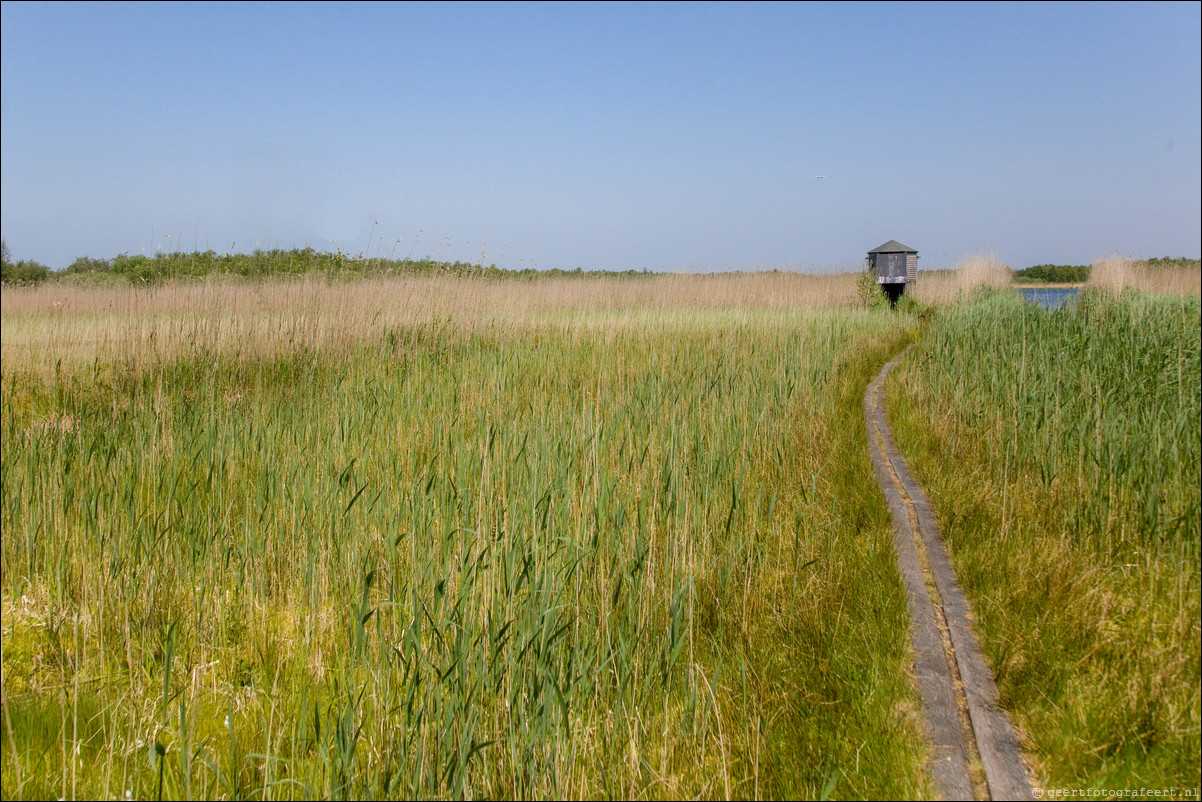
(554, 559)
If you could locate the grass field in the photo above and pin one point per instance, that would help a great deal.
(449, 538)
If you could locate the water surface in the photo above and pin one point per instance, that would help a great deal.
(1049, 297)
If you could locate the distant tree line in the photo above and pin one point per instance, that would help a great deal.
(161, 267)
(1070, 274)
(22, 272)
(1180, 263)
(1053, 274)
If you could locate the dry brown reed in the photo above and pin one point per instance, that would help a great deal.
(1115, 273)
(53, 325)
(972, 272)
(982, 270)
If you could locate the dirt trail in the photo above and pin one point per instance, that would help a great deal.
(974, 750)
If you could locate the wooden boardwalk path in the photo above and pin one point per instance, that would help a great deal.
(974, 750)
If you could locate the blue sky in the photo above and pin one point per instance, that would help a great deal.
(681, 136)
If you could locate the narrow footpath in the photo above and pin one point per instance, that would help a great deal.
(974, 750)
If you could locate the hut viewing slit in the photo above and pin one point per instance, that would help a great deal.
(894, 265)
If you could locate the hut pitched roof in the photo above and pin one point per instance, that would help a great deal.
(893, 246)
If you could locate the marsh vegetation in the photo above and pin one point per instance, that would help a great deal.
(434, 535)
(443, 537)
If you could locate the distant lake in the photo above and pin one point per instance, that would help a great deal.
(1049, 297)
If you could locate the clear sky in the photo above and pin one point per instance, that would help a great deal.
(681, 136)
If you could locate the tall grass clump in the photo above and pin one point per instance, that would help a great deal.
(448, 538)
(1062, 453)
(981, 270)
(973, 273)
(1112, 274)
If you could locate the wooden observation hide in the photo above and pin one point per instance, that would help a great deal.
(894, 265)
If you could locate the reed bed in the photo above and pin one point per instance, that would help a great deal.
(449, 538)
(227, 316)
(1116, 273)
(1062, 453)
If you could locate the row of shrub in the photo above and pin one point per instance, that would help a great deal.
(141, 269)
(22, 272)
(1053, 273)
(1168, 262)
(1070, 274)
